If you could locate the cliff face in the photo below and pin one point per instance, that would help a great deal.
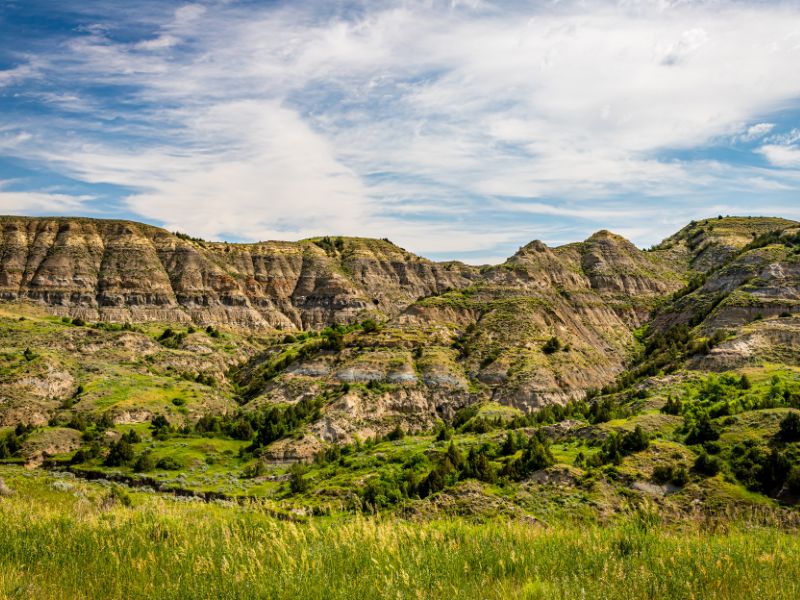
(451, 332)
(123, 271)
(450, 335)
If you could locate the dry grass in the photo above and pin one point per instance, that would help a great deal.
(66, 542)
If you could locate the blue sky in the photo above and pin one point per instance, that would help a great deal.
(460, 129)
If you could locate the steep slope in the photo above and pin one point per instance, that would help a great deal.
(123, 271)
(705, 245)
(485, 342)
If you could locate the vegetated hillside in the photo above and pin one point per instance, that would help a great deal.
(580, 376)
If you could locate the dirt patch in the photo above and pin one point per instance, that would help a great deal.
(4, 489)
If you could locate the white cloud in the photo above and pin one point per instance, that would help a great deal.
(41, 203)
(288, 118)
(17, 74)
(189, 12)
(756, 131)
(254, 169)
(158, 43)
(781, 156)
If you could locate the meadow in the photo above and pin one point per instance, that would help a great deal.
(65, 538)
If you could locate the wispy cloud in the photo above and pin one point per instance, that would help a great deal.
(432, 123)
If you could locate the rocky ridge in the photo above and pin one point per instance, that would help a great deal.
(444, 336)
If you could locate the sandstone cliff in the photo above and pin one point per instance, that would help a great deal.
(123, 271)
(449, 335)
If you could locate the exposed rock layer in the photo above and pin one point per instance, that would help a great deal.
(125, 271)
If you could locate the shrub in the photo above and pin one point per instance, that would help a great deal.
(790, 428)
(132, 437)
(168, 463)
(396, 434)
(242, 430)
(759, 468)
(257, 469)
(601, 411)
(793, 481)
(121, 453)
(673, 406)
(707, 465)
(298, 484)
(635, 441)
(702, 431)
(444, 434)
(104, 422)
(117, 495)
(10, 445)
(160, 427)
(145, 462)
(369, 326)
(674, 474)
(535, 456)
(552, 345)
(78, 422)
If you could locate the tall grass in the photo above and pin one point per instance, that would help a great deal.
(66, 545)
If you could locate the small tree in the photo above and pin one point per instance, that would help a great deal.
(121, 452)
(552, 345)
(298, 484)
(144, 463)
(635, 441)
(707, 465)
(444, 433)
(396, 434)
(702, 431)
(673, 406)
(790, 428)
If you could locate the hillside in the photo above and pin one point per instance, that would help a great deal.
(120, 271)
(585, 375)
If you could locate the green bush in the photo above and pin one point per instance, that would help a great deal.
(298, 484)
(702, 431)
(168, 463)
(120, 453)
(790, 428)
(552, 345)
(369, 326)
(145, 462)
(674, 474)
(707, 465)
(673, 406)
(396, 434)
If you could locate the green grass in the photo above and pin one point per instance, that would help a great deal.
(63, 540)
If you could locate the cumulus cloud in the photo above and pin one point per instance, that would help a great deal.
(781, 156)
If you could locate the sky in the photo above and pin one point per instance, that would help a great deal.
(459, 130)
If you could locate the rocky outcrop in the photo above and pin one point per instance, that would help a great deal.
(124, 271)
(450, 334)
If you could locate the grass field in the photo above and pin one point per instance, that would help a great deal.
(64, 538)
